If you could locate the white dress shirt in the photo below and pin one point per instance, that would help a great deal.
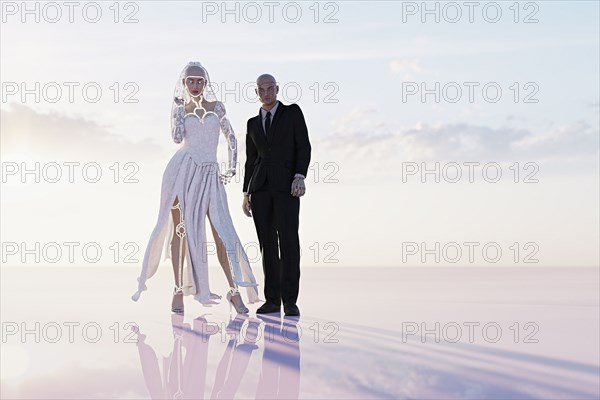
(263, 115)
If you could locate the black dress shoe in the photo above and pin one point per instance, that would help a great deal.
(268, 308)
(291, 310)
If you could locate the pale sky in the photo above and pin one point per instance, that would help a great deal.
(371, 137)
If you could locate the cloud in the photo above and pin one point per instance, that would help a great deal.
(407, 69)
(574, 139)
(27, 132)
(374, 151)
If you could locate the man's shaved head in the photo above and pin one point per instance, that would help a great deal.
(265, 79)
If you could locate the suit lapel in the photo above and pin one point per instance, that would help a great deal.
(276, 118)
(259, 127)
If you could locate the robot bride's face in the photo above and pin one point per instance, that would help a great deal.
(195, 81)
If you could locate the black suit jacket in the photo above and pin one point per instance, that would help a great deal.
(280, 156)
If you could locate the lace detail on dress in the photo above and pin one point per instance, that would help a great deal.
(177, 121)
(230, 137)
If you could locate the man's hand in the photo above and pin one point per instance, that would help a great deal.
(298, 188)
(246, 206)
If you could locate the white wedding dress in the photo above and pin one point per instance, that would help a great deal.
(192, 176)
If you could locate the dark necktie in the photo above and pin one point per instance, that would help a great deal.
(268, 123)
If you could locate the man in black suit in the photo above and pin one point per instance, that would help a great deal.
(277, 160)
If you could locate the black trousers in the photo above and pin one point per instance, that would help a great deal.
(276, 218)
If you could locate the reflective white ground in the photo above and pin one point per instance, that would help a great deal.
(418, 333)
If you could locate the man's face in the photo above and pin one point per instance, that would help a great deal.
(267, 91)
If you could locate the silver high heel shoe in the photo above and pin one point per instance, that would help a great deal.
(241, 309)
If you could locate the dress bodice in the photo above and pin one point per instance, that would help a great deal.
(202, 135)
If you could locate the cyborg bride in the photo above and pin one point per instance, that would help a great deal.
(192, 189)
